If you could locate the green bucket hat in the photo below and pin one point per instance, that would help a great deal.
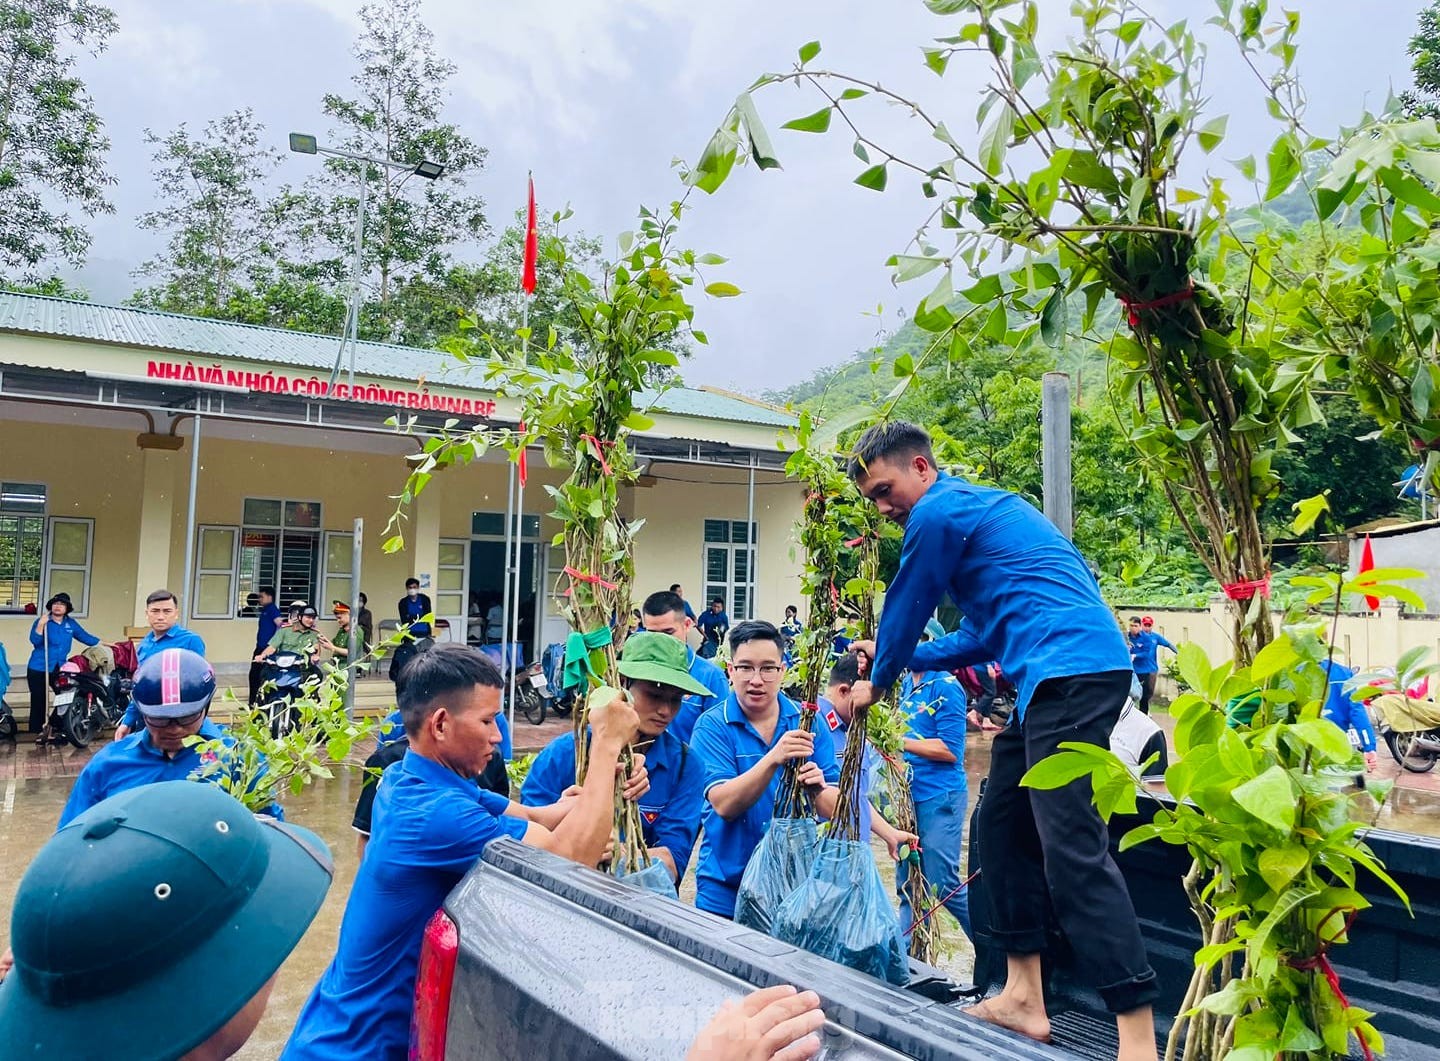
(150, 920)
(659, 658)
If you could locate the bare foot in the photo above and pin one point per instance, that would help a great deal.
(1029, 1021)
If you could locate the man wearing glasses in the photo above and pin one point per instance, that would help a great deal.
(744, 743)
(173, 690)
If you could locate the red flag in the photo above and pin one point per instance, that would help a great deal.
(1367, 563)
(532, 246)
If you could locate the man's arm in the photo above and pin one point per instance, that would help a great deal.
(932, 748)
(911, 597)
(585, 830)
(1161, 639)
(734, 797)
(679, 823)
(958, 649)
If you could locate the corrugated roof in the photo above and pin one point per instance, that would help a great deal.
(200, 336)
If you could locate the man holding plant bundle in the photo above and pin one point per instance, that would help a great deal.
(745, 744)
(1030, 601)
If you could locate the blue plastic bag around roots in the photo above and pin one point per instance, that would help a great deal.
(653, 878)
(841, 911)
(781, 860)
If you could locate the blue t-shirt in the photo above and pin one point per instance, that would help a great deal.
(270, 617)
(175, 637)
(712, 624)
(934, 706)
(1343, 709)
(430, 826)
(56, 638)
(839, 734)
(1145, 651)
(728, 744)
(1027, 596)
(694, 705)
(134, 761)
(669, 811)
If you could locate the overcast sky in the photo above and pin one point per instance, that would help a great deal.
(597, 96)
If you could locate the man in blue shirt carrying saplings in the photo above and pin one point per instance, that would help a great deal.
(745, 744)
(431, 824)
(1029, 601)
(657, 677)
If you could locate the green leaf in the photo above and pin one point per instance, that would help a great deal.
(873, 178)
(1058, 770)
(986, 289)
(937, 59)
(828, 432)
(761, 149)
(1054, 317)
(1281, 865)
(637, 422)
(722, 289)
(996, 324)
(1284, 166)
(853, 93)
(1273, 658)
(718, 158)
(1194, 667)
(1308, 511)
(909, 266)
(1297, 1036)
(818, 122)
(1269, 797)
(995, 139)
(809, 51)
(1211, 133)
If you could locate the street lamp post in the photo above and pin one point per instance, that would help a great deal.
(307, 144)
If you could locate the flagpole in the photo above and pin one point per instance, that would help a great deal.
(527, 288)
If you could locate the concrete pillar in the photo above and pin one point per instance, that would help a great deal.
(425, 540)
(157, 520)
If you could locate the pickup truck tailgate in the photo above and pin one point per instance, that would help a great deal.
(557, 960)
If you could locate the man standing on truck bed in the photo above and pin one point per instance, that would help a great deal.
(431, 825)
(1030, 601)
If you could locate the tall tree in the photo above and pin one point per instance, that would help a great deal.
(52, 148)
(411, 225)
(1423, 101)
(224, 229)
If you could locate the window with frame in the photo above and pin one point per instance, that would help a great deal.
(728, 562)
(22, 544)
(280, 546)
(213, 595)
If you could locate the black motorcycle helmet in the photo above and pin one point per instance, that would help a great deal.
(173, 683)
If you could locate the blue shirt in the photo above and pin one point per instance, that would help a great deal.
(934, 706)
(839, 734)
(175, 637)
(694, 705)
(712, 624)
(270, 616)
(728, 745)
(1343, 709)
(56, 638)
(1028, 598)
(393, 728)
(134, 761)
(1145, 651)
(430, 826)
(669, 812)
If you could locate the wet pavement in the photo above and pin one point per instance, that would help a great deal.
(34, 785)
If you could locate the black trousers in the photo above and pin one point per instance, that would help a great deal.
(1147, 690)
(1048, 850)
(39, 710)
(257, 670)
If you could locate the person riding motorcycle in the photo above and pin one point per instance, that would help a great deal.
(300, 638)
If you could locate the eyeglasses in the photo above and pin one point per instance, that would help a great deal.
(178, 723)
(768, 671)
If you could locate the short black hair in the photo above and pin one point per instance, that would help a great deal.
(846, 670)
(755, 630)
(268, 591)
(412, 582)
(674, 587)
(444, 668)
(894, 440)
(718, 600)
(1135, 619)
(161, 595)
(364, 600)
(663, 602)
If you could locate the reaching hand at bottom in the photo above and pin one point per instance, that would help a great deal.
(776, 1024)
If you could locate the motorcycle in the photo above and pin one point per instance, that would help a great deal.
(532, 693)
(282, 683)
(86, 701)
(8, 728)
(1410, 728)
